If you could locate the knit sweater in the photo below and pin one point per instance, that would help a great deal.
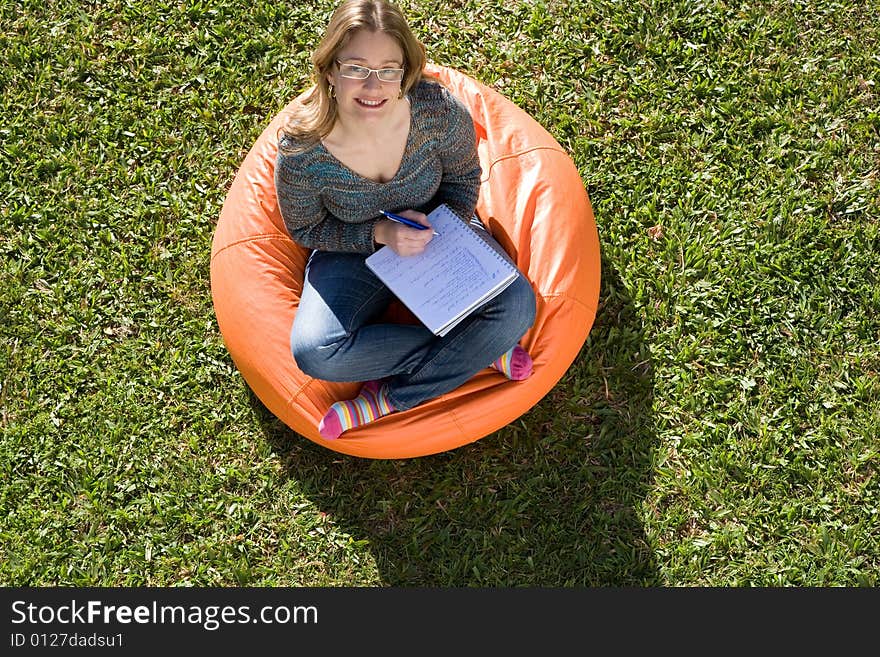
(327, 206)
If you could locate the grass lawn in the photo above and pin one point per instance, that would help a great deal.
(720, 427)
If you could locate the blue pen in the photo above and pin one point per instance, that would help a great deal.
(405, 221)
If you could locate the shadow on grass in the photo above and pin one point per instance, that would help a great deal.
(552, 500)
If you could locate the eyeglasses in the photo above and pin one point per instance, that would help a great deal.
(356, 72)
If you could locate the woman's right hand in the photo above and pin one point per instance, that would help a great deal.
(404, 240)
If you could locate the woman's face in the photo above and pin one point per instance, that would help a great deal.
(370, 99)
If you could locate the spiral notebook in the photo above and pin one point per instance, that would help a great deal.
(456, 273)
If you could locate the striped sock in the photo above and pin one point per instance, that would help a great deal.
(371, 404)
(516, 364)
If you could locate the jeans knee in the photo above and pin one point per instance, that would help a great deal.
(515, 308)
(313, 358)
(319, 363)
(306, 358)
(522, 305)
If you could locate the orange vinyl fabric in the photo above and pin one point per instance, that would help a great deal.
(533, 201)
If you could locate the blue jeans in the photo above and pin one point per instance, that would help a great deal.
(336, 335)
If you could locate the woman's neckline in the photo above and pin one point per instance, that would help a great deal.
(406, 149)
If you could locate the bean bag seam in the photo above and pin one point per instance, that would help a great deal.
(245, 240)
(455, 419)
(568, 297)
(518, 154)
(299, 391)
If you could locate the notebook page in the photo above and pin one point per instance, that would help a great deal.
(455, 273)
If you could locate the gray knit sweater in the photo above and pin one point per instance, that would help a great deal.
(327, 206)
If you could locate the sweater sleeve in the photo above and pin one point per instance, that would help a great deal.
(460, 186)
(307, 220)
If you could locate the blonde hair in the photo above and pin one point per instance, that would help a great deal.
(314, 116)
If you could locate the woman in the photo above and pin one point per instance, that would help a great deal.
(375, 133)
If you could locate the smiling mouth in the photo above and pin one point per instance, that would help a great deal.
(370, 103)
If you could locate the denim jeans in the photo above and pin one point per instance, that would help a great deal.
(336, 335)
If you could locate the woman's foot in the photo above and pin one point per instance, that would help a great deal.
(516, 364)
(371, 404)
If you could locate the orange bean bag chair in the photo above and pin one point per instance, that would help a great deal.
(533, 201)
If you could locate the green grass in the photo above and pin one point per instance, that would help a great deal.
(720, 426)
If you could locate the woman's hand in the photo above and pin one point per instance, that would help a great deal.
(404, 240)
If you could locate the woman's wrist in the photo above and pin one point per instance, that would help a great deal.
(379, 235)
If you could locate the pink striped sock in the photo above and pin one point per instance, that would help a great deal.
(370, 404)
(516, 364)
